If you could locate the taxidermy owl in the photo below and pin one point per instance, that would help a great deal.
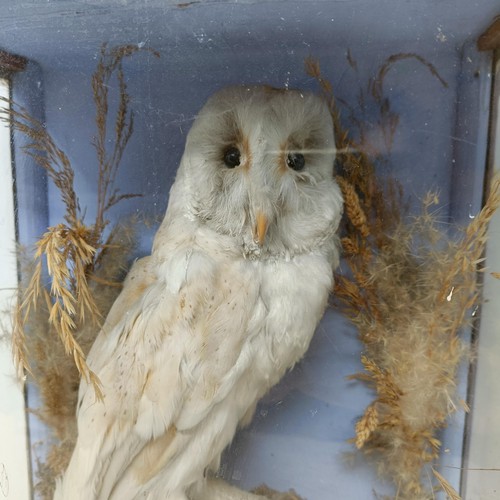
(228, 300)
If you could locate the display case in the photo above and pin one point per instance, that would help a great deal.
(413, 91)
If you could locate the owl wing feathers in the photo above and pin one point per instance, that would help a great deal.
(196, 348)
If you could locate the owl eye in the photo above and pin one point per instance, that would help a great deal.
(296, 161)
(232, 157)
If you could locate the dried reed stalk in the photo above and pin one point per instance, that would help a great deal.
(409, 290)
(72, 250)
(109, 66)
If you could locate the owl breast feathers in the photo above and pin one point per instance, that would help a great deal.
(228, 300)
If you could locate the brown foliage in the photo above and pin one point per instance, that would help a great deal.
(409, 290)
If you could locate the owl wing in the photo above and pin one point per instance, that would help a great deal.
(171, 349)
(140, 276)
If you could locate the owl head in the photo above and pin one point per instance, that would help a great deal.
(258, 166)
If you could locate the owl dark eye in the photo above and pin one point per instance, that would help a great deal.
(296, 161)
(232, 157)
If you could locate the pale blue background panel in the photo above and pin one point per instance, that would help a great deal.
(298, 437)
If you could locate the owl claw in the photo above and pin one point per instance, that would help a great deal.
(270, 494)
(218, 489)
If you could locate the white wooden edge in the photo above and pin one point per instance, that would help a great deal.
(481, 475)
(14, 457)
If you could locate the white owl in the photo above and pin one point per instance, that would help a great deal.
(228, 300)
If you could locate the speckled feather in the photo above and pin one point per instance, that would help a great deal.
(219, 311)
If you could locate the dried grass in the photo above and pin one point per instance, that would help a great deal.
(409, 289)
(73, 250)
(85, 263)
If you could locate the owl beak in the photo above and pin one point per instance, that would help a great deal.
(260, 229)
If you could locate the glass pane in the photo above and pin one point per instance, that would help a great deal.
(413, 93)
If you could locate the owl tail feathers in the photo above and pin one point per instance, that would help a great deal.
(79, 480)
(93, 470)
